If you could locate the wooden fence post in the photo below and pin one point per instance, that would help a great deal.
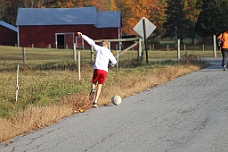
(214, 39)
(117, 64)
(79, 69)
(140, 49)
(74, 51)
(23, 54)
(178, 49)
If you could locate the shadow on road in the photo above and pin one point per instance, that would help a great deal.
(215, 64)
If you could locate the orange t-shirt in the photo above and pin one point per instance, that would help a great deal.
(225, 39)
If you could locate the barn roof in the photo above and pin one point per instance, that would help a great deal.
(68, 16)
(56, 16)
(9, 26)
(108, 19)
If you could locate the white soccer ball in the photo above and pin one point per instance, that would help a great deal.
(116, 100)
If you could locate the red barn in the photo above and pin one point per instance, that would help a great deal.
(58, 27)
(8, 34)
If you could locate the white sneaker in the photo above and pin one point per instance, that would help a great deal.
(224, 67)
(95, 105)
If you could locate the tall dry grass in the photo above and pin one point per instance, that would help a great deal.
(124, 83)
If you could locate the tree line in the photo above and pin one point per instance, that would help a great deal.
(173, 18)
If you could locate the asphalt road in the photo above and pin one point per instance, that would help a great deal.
(188, 114)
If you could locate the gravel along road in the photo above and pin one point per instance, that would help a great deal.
(188, 114)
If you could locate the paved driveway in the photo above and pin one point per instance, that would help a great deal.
(188, 114)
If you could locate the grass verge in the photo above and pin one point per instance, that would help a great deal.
(50, 92)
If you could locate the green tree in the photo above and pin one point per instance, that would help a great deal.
(192, 12)
(55, 3)
(176, 21)
(213, 19)
(158, 18)
(11, 11)
(3, 8)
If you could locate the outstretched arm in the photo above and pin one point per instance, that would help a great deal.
(88, 40)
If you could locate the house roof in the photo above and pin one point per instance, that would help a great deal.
(68, 16)
(9, 26)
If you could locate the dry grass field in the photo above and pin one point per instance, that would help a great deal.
(50, 89)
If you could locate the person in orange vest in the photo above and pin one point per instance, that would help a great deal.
(223, 38)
